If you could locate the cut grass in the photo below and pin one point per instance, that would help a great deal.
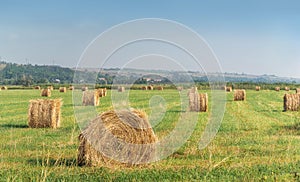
(256, 141)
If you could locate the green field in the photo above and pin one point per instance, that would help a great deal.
(256, 141)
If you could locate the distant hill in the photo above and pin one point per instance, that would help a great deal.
(27, 74)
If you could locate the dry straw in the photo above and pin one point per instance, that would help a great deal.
(121, 89)
(144, 88)
(228, 89)
(115, 133)
(50, 87)
(3, 88)
(239, 95)
(90, 98)
(104, 92)
(298, 90)
(198, 102)
(291, 102)
(287, 88)
(84, 88)
(44, 113)
(46, 92)
(277, 89)
(257, 88)
(37, 87)
(149, 87)
(71, 87)
(100, 92)
(62, 89)
(160, 88)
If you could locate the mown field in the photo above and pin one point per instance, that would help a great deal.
(256, 141)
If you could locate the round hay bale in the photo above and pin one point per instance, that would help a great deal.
(3, 88)
(46, 92)
(144, 88)
(100, 92)
(277, 89)
(121, 89)
(37, 88)
(63, 89)
(71, 87)
(198, 102)
(257, 88)
(104, 92)
(84, 88)
(228, 89)
(297, 90)
(90, 98)
(291, 102)
(239, 95)
(160, 88)
(50, 87)
(287, 88)
(114, 133)
(149, 87)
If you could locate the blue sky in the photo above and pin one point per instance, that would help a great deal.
(256, 37)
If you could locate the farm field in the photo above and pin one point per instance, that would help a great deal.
(256, 141)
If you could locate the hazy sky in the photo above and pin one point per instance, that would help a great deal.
(256, 37)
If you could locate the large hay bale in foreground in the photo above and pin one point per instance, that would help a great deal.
(3, 88)
(44, 113)
(277, 89)
(257, 88)
(63, 89)
(291, 102)
(228, 89)
(110, 132)
(149, 87)
(46, 92)
(37, 88)
(144, 87)
(298, 90)
(198, 102)
(239, 95)
(121, 89)
(84, 88)
(287, 88)
(90, 98)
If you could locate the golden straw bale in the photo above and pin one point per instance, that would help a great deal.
(50, 87)
(104, 92)
(71, 87)
(3, 88)
(144, 88)
(287, 88)
(46, 92)
(239, 95)
(149, 87)
(291, 102)
(100, 92)
(160, 88)
(198, 102)
(90, 98)
(44, 113)
(37, 88)
(257, 88)
(277, 89)
(114, 136)
(298, 90)
(228, 89)
(84, 88)
(62, 89)
(121, 89)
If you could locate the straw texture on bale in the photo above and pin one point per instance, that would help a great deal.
(144, 88)
(62, 89)
(71, 87)
(291, 102)
(257, 88)
(50, 87)
(44, 113)
(121, 89)
(84, 88)
(90, 98)
(3, 88)
(228, 89)
(198, 102)
(277, 89)
(100, 92)
(149, 87)
(104, 92)
(239, 95)
(37, 87)
(110, 132)
(298, 90)
(287, 88)
(46, 92)
(160, 88)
